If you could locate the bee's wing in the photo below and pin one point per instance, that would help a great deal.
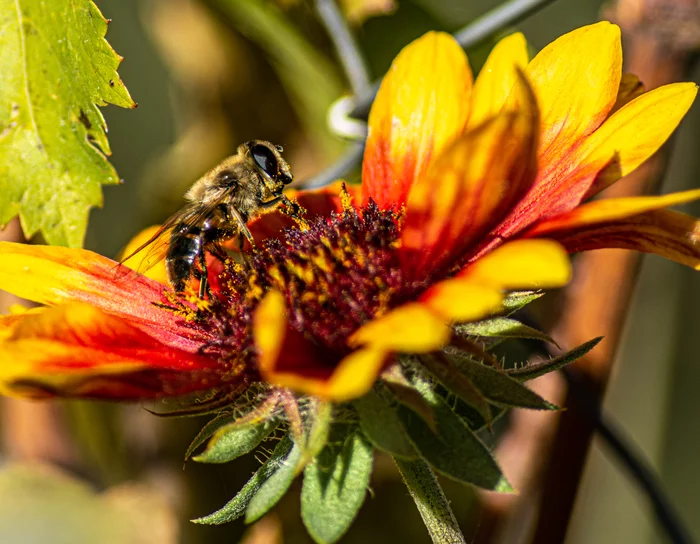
(157, 245)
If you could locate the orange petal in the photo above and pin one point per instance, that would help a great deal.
(672, 235)
(77, 350)
(469, 189)
(634, 133)
(287, 359)
(411, 328)
(576, 79)
(523, 264)
(497, 78)
(421, 107)
(602, 211)
(58, 275)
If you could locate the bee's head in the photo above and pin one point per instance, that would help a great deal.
(267, 159)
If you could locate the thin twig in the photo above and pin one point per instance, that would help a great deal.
(345, 45)
(430, 501)
(631, 458)
(472, 34)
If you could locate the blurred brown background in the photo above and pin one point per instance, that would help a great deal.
(209, 74)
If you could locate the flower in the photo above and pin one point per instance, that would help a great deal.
(470, 189)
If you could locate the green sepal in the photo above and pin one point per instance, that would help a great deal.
(453, 449)
(317, 418)
(236, 507)
(501, 327)
(444, 369)
(499, 388)
(233, 440)
(536, 370)
(274, 487)
(235, 434)
(334, 488)
(381, 425)
(207, 431)
(517, 300)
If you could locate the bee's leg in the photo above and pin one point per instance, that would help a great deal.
(204, 279)
(274, 201)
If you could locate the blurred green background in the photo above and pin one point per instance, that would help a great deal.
(209, 74)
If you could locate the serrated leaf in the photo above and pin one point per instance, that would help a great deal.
(381, 425)
(55, 69)
(501, 327)
(274, 487)
(236, 507)
(454, 450)
(499, 387)
(536, 370)
(334, 489)
(519, 299)
(234, 440)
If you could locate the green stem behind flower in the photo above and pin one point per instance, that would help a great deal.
(430, 501)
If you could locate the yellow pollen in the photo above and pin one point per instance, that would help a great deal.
(345, 199)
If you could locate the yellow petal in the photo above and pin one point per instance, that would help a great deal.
(151, 266)
(422, 106)
(354, 376)
(57, 275)
(576, 79)
(471, 187)
(672, 235)
(77, 350)
(460, 299)
(269, 327)
(409, 328)
(610, 209)
(523, 264)
(497, 78)
(634, 133)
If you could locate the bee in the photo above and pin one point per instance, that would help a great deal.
(219, 205)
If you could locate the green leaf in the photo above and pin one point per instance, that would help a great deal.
(274, 487)
(453, 449)
(501, 327)
(236, 507)
(334, 488)
(519, 299)
(500, 388)
(381, 425)
(234, 440)
(55, 69)
(536, 370)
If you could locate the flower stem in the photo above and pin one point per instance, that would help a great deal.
(430, 501)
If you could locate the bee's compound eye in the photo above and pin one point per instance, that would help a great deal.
(265, 159)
